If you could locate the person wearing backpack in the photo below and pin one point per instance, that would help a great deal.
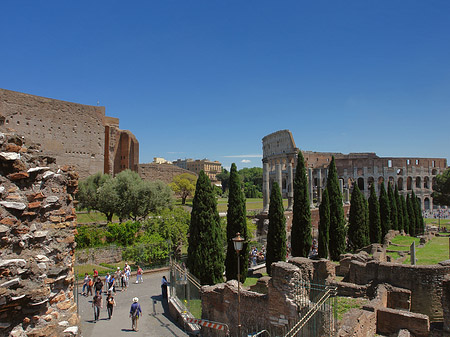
(135, 312)
(110, 304)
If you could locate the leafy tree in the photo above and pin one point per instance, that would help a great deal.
(374, 217)
(276, 234)
(441, 189)
(385, 212)
(184, 185)
(393, 207)
(252, 179)
(357, 227)
(324, 225)
(151, 248)
(224, 178)
(126, 186)
(301, 222)
(405, 214)
(108, 199)
(398, 202)
(88, 188)
(337, 221)
(123, 233)
(236, 223)
(89, 236)
(205, 252)
(411, 215)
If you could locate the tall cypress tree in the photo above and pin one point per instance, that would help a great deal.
(236, 223)
(374, 217)
(357, 221)
(405, 214)
(411, 216)
(385, 217)
(420, 225)
(324, 225)
(399, 209)
(205, 253)
(276, 234)
(393, 207)
(301, 221)
(337, 221)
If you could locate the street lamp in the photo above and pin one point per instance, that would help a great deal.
(238, 244)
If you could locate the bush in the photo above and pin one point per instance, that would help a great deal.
(89, 236)
(123, 234)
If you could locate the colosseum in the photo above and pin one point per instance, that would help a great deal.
(364, 169)
(75, 134)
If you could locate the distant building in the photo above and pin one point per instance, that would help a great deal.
(211, 168)
(159, 160)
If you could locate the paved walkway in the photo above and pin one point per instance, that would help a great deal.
(155, 320)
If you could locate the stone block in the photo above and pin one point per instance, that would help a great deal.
(391, 321)
(18, 176)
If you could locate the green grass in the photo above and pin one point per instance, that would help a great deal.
(194, 307)
(92, 217)
(434, 251)
(344, 304)
(80, 270)
(404, 241)
(252, 280)
(430, 221)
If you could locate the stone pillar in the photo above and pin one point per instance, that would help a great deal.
(341, 186)
(347, 195)
(265, 187)
(278, 176)
(326, 177)
(290, 185)
(319, 186)
(310, 186)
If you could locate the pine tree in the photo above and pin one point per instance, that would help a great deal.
(411, 216)
(393, 207)
(374, 217)
(399, 209)
(236, 223)
(357, 221)
(385, 217)
(324, 225)
(405, 214)
(301, 238)
(337, 221)
(276, 234)
(205, 252)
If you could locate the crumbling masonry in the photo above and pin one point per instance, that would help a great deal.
(37, 227)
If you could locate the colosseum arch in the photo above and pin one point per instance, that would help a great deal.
(400, 184)
(409, 183)
(361, 183)
(370, 182)
(426, 203)
(380, 181)
(418, 182)
(426, 182)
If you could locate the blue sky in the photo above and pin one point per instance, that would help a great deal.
(209, 79)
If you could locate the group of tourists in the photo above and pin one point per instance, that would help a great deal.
(112, 281)
(257, 256)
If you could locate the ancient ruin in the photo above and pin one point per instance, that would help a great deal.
(37, 227)
(280, 159)
(75, 134)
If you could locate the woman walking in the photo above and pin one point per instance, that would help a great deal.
(110, 304)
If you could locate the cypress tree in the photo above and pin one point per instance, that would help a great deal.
(301, 221)
(276, 234)
(324, 225)
(405, 214)
(236, 223)
(399, 209)
(337, 221)
(393, 207)
(420, 225)
(385, 217)
(357, 233)
(374, 217)
(411, 216)
(205, 253)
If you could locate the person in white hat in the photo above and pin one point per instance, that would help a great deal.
(135, 312)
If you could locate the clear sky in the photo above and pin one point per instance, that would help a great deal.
(209, 79)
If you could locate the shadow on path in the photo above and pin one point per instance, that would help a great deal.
(166, 314)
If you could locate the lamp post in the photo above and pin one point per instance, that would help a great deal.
(238, 244)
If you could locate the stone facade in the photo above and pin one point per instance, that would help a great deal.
(163, 172)
(408, 173)
(75, 134)
(211, 168)
(37, 227)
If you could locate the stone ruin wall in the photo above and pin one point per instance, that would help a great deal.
(424, 282)
(163, 172)
(75, 134)
(37, 227)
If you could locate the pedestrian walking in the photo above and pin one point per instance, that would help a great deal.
(110, 304)
(95, 274)
(85, 284)
(112, 284)
(90, 285)
(139, 275)
(98, 285)
(135, 312)
(164, 284)
(97, 305)
(107, 277)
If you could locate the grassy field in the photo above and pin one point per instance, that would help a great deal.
(434, 251)
(344, 304)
